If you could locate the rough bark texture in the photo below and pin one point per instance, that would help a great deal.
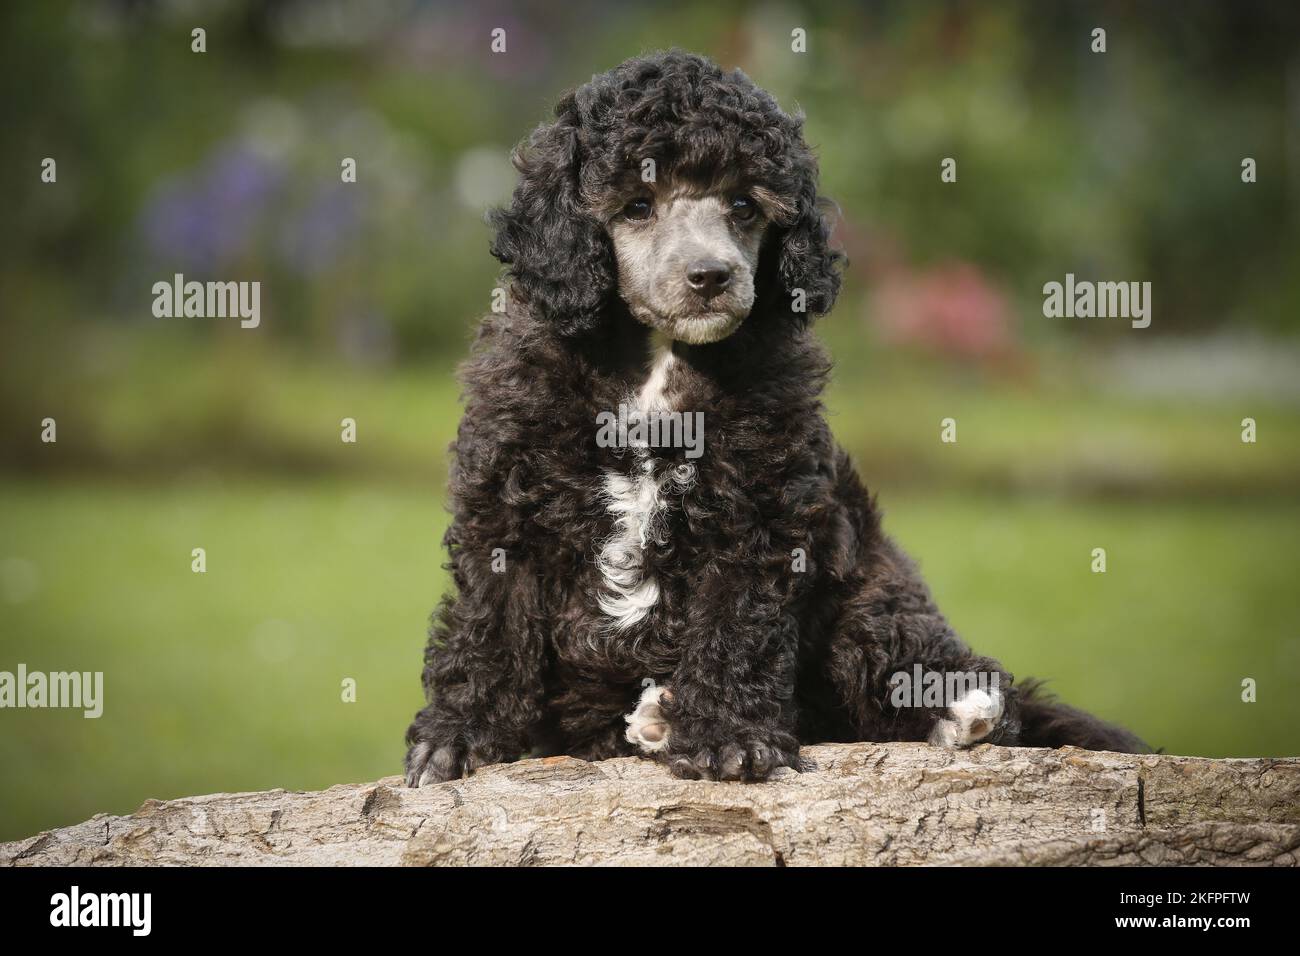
(865, 804)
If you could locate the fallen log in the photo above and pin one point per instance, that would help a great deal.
(872, 804)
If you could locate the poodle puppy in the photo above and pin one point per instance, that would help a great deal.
(657, 546)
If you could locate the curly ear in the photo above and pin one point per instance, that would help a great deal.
(558, 255)
(807, 263)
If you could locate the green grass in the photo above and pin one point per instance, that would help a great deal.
(227, 680)
(231, 680)
(147, 406)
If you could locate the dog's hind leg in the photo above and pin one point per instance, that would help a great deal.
(1046, 722)
(483, 676)
(901, 673)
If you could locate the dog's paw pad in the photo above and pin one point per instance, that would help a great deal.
(969, 721)
(646, 726)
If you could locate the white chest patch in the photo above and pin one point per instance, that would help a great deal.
(636, 502)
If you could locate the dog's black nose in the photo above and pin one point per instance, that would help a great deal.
(708, 277)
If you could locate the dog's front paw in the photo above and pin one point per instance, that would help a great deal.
(428, 763)
(647, 727)
(752, 758)
(970, 720)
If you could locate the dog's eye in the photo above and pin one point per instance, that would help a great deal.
(638, 209)
(743, 208)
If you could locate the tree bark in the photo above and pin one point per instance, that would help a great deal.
(873, 804)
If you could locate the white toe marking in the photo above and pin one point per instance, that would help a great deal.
(646, 726)
(972, 719)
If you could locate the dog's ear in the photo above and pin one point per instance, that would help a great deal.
(559, 257)
(809, 268)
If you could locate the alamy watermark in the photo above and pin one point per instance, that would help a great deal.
(75, 908)
(923, 688)
(1102, 300)
(633, 427)
(208, 300)
(57, 689)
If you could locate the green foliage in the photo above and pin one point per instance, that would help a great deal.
(1124, 164)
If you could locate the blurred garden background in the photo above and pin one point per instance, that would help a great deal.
(324, 558)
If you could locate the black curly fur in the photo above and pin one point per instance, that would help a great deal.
(760, 657)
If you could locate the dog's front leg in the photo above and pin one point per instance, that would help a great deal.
(730, 711)
(482, 675)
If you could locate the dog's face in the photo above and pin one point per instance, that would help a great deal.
(584, 234)
(687, 256)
